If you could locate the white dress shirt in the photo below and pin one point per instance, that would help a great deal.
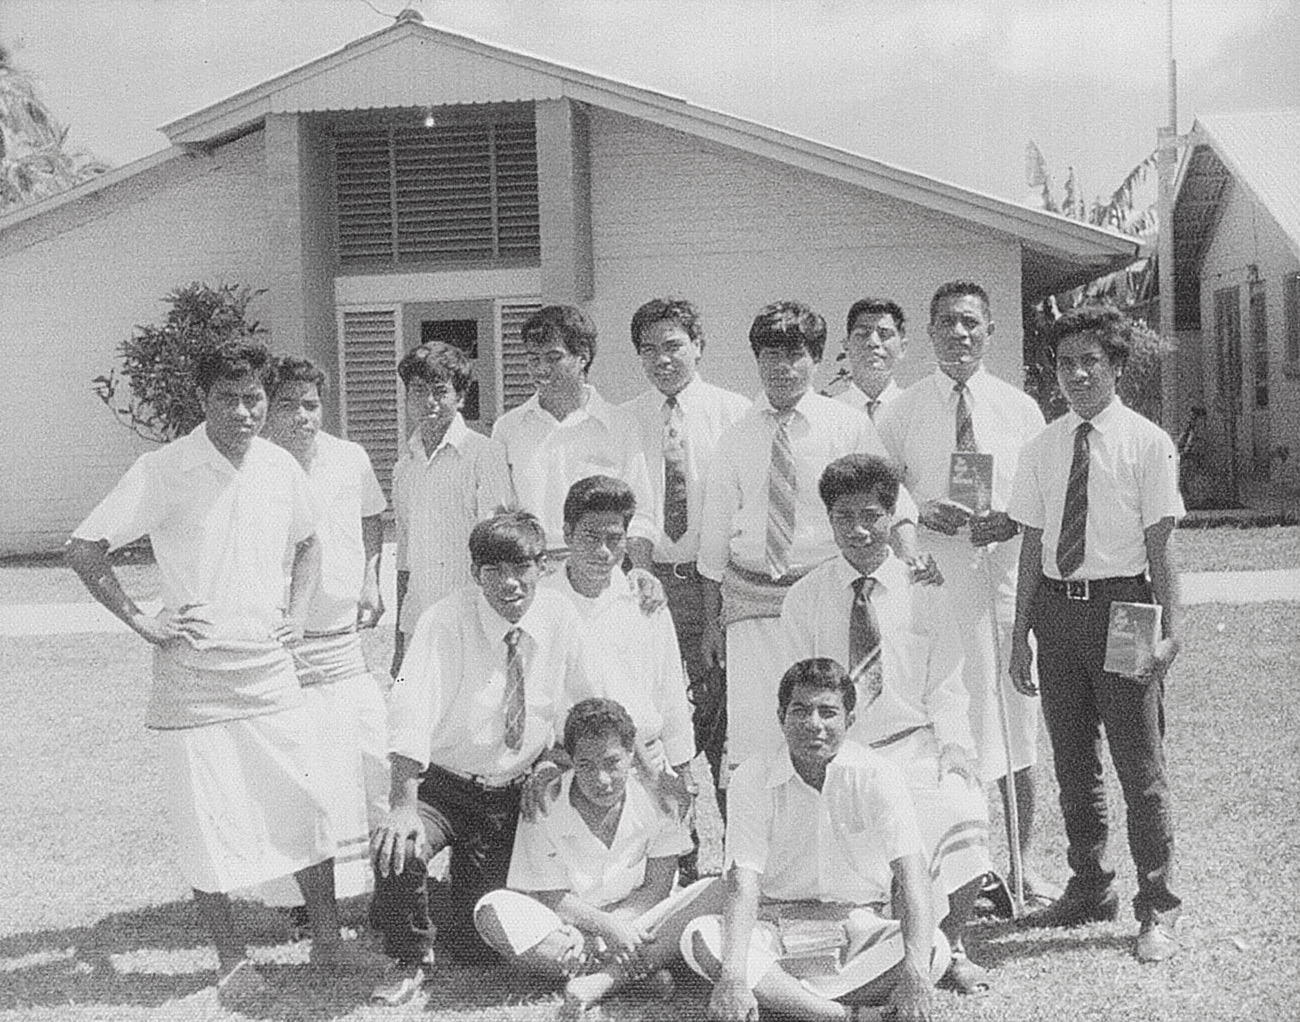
(706, 412)
(548, 456)
(633, 658)
(346, 490)
(437, 500)
(834, 845)
(919, 430)
(855, 397)
(447, 706)
(920, 653)
(558, 852)
(1132, 485)
(735, 503)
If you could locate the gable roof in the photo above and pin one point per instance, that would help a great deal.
(1258, 150)
(410, 64)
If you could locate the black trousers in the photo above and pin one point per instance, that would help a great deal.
(478, 823)
(1079, 700)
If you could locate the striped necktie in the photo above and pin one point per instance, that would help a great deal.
(781, 489)
(1074, 515)
(674, 446)
(514, 694)
(965, 425)
(864, 639)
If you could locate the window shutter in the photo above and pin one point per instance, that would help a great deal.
(518, 224)
(369, 393)
(516, 381)
(362, 161)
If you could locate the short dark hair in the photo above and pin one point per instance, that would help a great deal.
(957, 288)
(875, 307)
(1113, 330)
(436, 363)
(860, 473)
(598, 493)
(286, 369)
(570, 324)
(592, 718)
(819, 672)
(511, 536)
(789, 326)
(669, 310)
(231, 360)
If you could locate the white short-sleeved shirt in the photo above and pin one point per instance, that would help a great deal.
(855, 397)
(437, 500)
(346, 490)
(919, 430)
(706, 411)
(633, 658)
(447, 706)
(833, 845)
(224, 540)
(921, 653)
(547, 456)
(558, 852)
(1132, 485)
(735, 504)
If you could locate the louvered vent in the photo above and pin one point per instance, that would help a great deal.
(451, 194)
(369, 398)
(516, 383)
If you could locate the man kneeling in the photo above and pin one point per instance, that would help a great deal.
(591, 879)
(817, 834)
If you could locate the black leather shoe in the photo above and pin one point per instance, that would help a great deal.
(1075, 910)
(1157, 940)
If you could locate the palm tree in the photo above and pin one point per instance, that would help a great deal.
(34, 164)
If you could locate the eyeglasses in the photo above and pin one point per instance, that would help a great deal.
(848, 519)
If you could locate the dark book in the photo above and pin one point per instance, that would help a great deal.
(1131, 637)
(970, 481)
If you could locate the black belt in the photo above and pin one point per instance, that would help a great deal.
(1092, 588)
(476, 780)
(683, 571)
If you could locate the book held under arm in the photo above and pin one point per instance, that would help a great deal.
(970, 481)
(1131, 637)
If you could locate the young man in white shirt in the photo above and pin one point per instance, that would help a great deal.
(232, 523)
(567, 431)
(1097, 494)
(447, 478)
(905, 656)
(479, 700)
(344, 699)
(764, 527)
(591, 880)
(875, 342)
(821, 829)
(679, 421)
(961, 406)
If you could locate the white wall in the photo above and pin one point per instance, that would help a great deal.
(732, 232)
(73, 284)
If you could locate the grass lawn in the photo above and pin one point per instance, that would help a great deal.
(94, 922)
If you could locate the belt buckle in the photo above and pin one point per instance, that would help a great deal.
(682, 570)
(1077, 589)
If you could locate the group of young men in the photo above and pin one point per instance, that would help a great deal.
(854, 641)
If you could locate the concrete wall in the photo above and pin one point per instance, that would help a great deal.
(676, 214)
(73, 284)
(1248, 237)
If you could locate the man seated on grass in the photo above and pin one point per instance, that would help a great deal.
(480, 697)
(829, 904)
(590, 896)
(233, 525)
(905, 657)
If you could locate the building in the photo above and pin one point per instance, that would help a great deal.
(422, 184)
(1236, 225)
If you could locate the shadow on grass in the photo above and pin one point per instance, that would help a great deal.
(998, 943)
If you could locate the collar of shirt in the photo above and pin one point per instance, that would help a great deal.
(975, 386)
(781, 769)
(594, 406)
(198, 449)
(857, 397)
(687, 396)
(769, 413)
(454, 437)
(570, 822)
(1101, 422)
(495, 626)
(889, 575)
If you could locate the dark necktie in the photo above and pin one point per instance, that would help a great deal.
(864, 639)
(675, 513)
(872, 404)
(781, 484)
(514, 694)
(965, 425)
(1074, 516)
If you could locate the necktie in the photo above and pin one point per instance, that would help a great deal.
(1074, 516)
(864, 639)
(781, 484)
(514, 694)
(965, 426)
(872, 404)
(675, 515)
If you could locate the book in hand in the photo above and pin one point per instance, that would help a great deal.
(970, 481)
(1131, 637)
